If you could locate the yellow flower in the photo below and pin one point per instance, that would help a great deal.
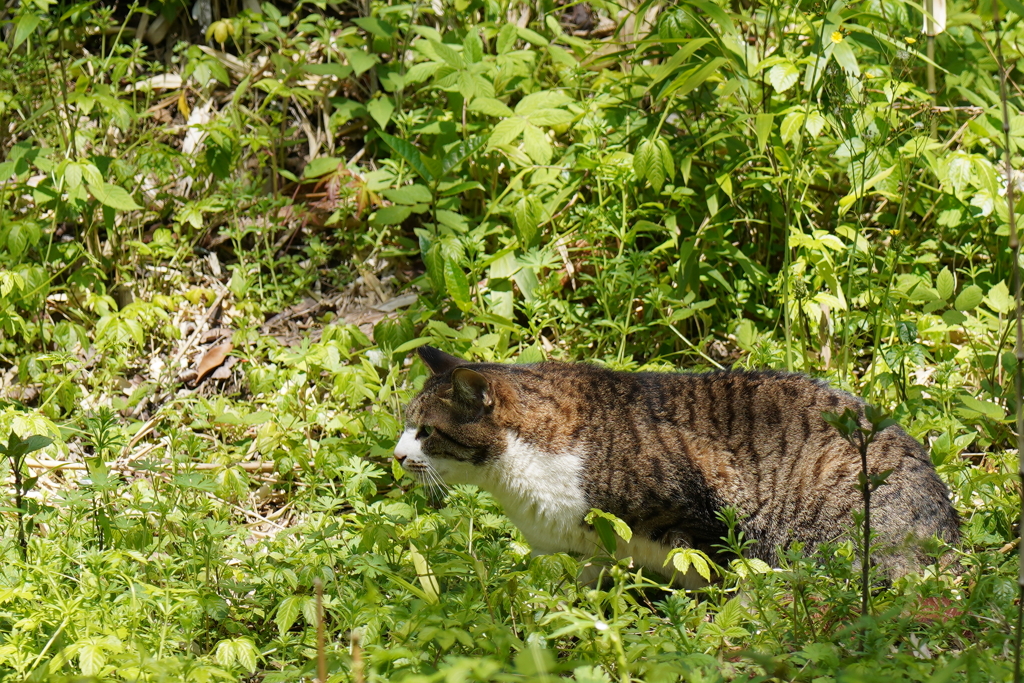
(911, 40)
(837, 37)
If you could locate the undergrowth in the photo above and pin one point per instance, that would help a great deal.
(217, 255)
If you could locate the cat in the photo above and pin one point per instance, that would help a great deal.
(665, 452)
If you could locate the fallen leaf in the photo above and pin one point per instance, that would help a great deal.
(213, 358)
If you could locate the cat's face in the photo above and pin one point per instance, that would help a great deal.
(451, 430)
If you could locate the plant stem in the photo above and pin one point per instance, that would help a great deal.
(865, 563)
(1019, 346)
(18, 500)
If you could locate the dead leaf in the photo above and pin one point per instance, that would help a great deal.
(213, 358)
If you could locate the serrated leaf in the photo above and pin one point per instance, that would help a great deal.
(536, 145)
(246, 654)
(490, 107)
(507, 38)
(791, 126)
(545, 99)
(457, 284)
(999, 299)
(113, 196)
(224, 653)
(642, 159)
(783, 76)
(656, 169)
(945, 284)
(969, 299)
(72, 176)
(506, 131)
(549, 117)
(815, 123)
(526, 217)
(288, 612)
(408, 151)
(472, 48)
(91, 659)
(667, 162)
(448, 54)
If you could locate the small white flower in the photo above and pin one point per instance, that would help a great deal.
(600, 626)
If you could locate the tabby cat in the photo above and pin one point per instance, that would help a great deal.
(664, 452)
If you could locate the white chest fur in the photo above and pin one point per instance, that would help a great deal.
(542, 493)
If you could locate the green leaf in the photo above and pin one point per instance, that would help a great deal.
(506, 131)
(862, 189)
(375, 26)
(763, 129)
(945, 284)
(969, 299)
(606, 533)
(113, 196)
(536, 145)
(791, 126)
(667, 162)
(620, 528)
(288, 612)
(448, 54)
(359, 60)
(391, 215)
(526, 217)
(457, 283)
(427, 579)
(783, 76)
(550, 117)
(693, 78)
(409, 195)
(954, 318)
(490, 107)
(381, 109)
(460, 152)
(408, 151)
(532, 37)
(26, 26)
(999, 299)
(545, 99)
(1016, 6)
(989, 410)
(472, 47)
(507, 38)
(642, 159)
(321, 166)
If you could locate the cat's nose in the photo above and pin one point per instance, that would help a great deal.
(400, 457)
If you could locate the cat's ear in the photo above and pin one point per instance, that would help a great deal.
(438, 362)
(472, 389)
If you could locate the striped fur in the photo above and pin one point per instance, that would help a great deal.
(665, 452)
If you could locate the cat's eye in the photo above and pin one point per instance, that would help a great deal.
(424, 432)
